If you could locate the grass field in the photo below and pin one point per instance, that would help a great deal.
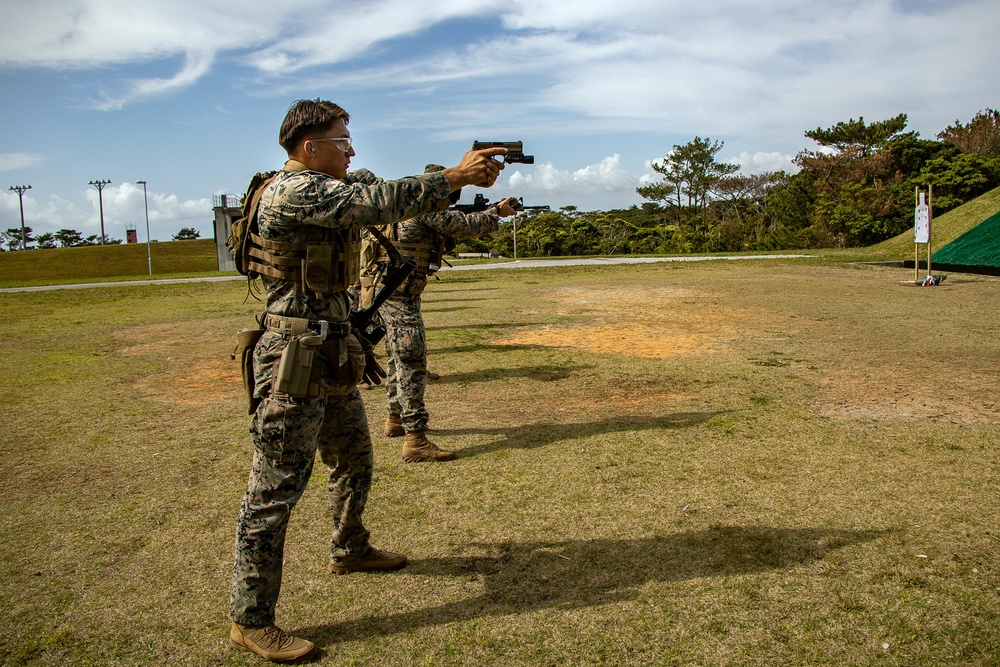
(722, 463)
(718, 463)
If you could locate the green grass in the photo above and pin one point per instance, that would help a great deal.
(107, 263)
(722, 463)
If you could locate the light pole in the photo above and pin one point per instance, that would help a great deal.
(515, 236)
(20, 197)
(100, 196)
(149, 252)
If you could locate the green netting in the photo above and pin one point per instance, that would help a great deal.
(980, 246)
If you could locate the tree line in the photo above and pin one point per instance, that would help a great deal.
(70, 238)
(855, 189)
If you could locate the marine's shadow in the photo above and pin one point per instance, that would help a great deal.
(483, 326)
(548, 373)
(469, 281)
(532, 436)
(513, 578)
(450, 309)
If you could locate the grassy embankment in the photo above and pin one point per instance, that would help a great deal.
(171, 259)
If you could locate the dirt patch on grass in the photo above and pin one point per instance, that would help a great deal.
(648, 340)
(205, 382)
(199, 370)
(654, 323)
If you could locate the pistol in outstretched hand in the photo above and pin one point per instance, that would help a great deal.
(515, 151)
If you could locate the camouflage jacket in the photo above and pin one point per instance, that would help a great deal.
(432, 229)
(310, 207)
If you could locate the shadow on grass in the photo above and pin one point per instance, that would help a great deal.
(478, 347)
(464, 289)
(516, 578)
(531, 436)
(484, 326)
(547, 373)
(449, 309)
(434, 302)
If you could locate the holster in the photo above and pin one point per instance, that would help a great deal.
(295, 368)
(246, 341)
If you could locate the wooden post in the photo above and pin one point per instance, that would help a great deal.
(916, 246)
(930, 226)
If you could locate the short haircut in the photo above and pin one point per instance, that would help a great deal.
(307, 118)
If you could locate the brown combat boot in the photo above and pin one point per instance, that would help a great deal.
(393, 426)
(417, 448)
(375, 561)
(269, 641)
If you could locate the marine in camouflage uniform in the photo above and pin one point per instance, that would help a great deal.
(315, 200)
(422, 239)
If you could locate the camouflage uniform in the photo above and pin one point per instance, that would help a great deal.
(406, 339)
(307, 206)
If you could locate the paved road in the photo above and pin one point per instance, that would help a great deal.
(516, 264)
(604, 261)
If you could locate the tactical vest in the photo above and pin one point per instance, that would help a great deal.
(427, 256)
(321, 267)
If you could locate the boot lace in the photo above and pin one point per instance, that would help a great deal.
(274, 637)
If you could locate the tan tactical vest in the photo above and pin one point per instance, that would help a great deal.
(321, 267)
(427, 256)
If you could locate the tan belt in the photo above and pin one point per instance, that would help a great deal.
(289, 327)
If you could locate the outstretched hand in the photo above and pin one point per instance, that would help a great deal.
(507, 207)
(476, 168)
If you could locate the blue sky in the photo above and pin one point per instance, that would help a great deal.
(188, 95)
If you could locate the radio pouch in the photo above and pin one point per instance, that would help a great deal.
(319, 268)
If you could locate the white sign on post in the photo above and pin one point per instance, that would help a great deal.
(922, 222)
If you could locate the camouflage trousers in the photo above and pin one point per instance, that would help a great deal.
(406, 368)
(286, 433)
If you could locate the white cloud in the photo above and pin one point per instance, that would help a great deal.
(123, 206)
(196, 65)
(722, 68)
(12, 161)
(760, 162)
(603, 185)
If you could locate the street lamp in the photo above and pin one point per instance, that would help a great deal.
(515, 236)
(100, 189)
(149, 252)
(20, 196)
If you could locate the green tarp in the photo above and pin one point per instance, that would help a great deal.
(980, 246)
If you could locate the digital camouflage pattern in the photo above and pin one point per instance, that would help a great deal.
(306, 206)
(406, 338)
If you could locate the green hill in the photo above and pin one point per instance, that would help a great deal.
(944, 230)
(98, 263)
(978, 248)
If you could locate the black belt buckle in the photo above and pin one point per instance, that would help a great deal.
(327, 329)
(322, 327)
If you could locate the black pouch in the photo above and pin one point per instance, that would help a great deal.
(246, 341)
(341, 354)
